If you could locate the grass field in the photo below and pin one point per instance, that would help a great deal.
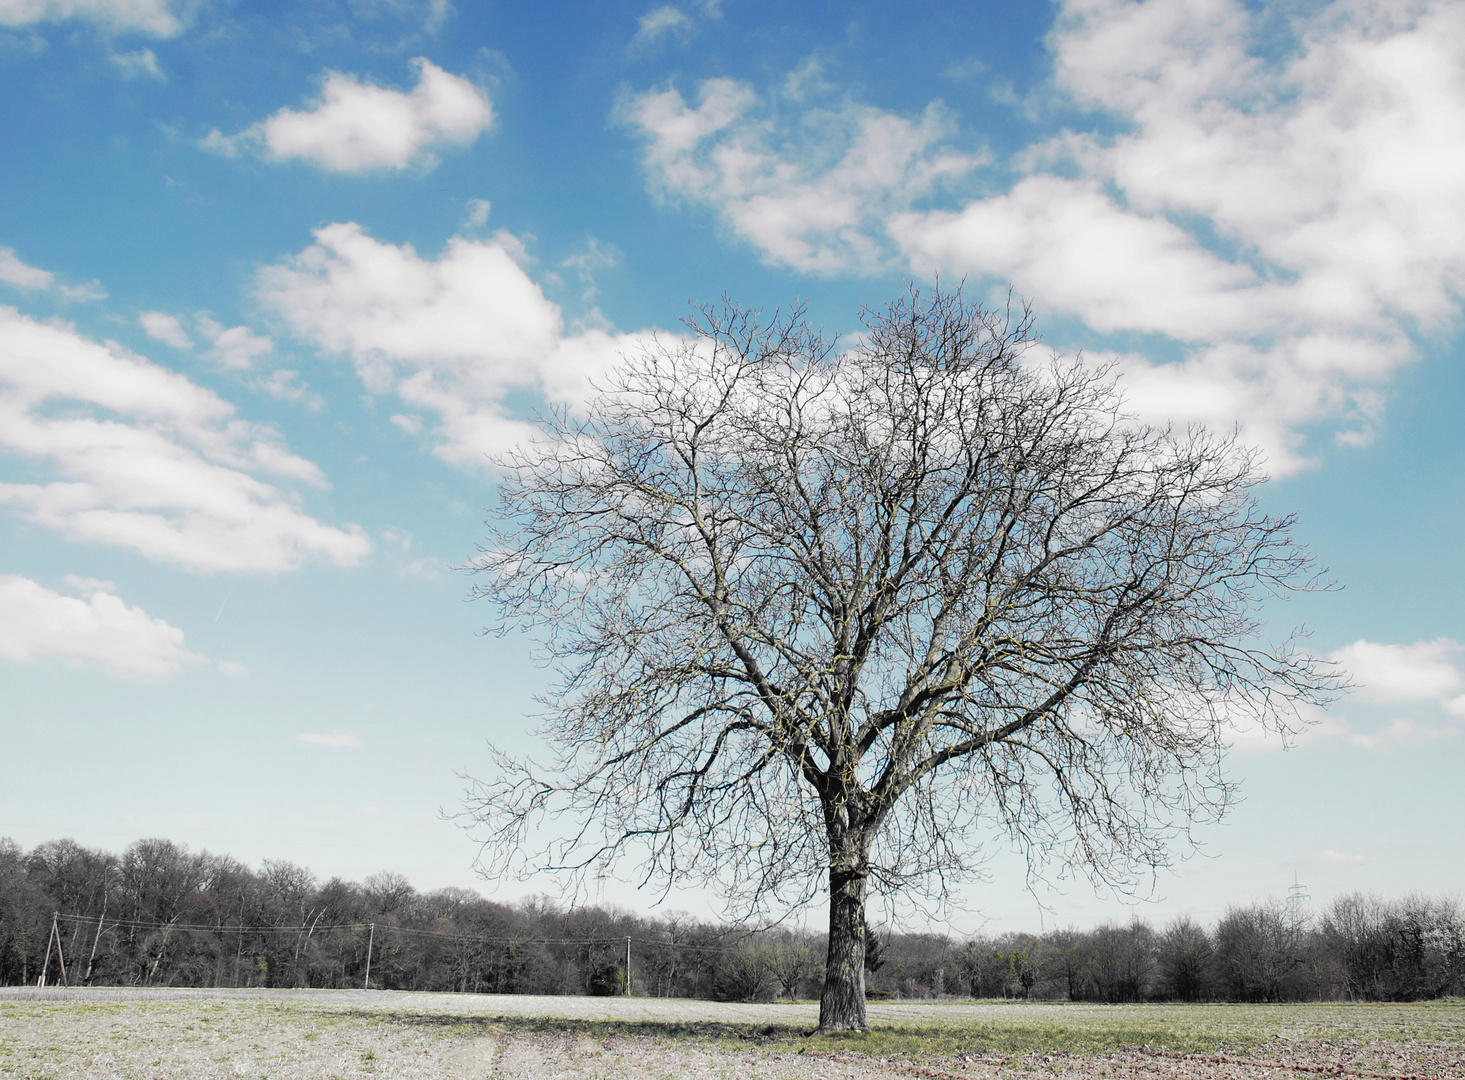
(349, 1035)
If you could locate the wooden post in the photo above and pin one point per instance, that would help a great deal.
(366, 982)
(47, 966)
(239, 950)
(60, 956)
(93, 957)
(306, 981)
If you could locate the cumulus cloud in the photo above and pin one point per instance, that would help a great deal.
(92, 629)
(286, 385)
(1313, 726)
(16, 273)
(155, 18)
(1423, 671)
(234, 347)
(451, 336)
(335, 740)
(1290, 222)
(478, 210)
(812, 193)
(165, 328)
(360, 127)
(1420, 679)
(140, 62)
(1116, 270)
(1285, 226)
(145, 459)
(659, 22)
(1401, 731)
(669, 20)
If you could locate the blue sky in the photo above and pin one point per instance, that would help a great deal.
(275, 279)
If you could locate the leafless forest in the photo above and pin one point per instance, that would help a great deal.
(161, 915)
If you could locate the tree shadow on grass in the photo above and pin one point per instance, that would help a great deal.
(882, 1041)
(575, 1027)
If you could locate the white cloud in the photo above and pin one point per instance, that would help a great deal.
(359, 127)
(660, 21)
(165, 328)
(1423, 671)
(286, 385)
(155, 18)
(14, 272)
(670, 20)
(138, 63)
(1401, 731)
(1117, 271)
(1336, 858)
(93, 629)
(1290, 224)
(1329, 728)
(235, 347)
(425, 569)
(811, 194)
(1315, 726)
(1293, 222)
(594, 257)
(1422, 674)
(478, 210)
(451, 336)
(31, 279)
(88, 291)
(145, 459)
(587, 263)
(336, 740)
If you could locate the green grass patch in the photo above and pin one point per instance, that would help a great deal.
(1009, 1029)
(363, 1035)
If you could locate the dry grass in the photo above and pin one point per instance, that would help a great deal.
(353, 1035)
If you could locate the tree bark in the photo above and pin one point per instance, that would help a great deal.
(842, 1006)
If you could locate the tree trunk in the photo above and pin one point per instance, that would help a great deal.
(842, 1006)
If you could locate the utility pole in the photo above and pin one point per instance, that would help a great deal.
(371, 941)
(628, 966)
(46, 967)
(90, 960)
(60, 956)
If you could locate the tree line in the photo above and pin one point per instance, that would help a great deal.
(159, 914)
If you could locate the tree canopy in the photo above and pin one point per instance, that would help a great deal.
(827, 616)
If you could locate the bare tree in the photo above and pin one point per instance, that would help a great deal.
(1185, 955)
(1261, 953)
(388, 891)
(792, 964)
(839, 611)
